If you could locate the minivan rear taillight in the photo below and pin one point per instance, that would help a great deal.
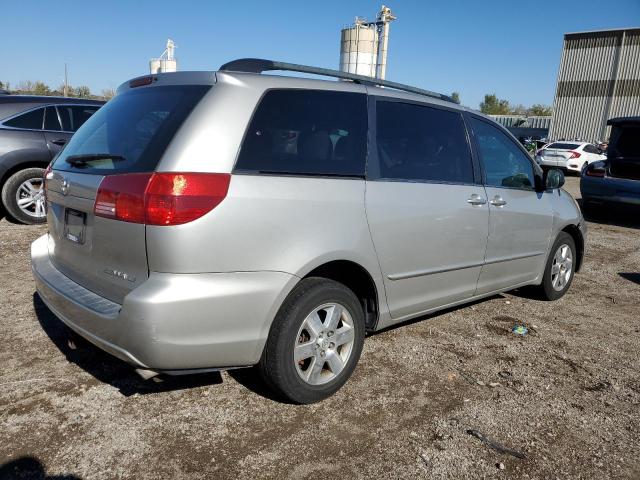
(160, 198)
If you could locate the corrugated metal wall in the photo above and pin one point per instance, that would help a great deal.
(599, 78)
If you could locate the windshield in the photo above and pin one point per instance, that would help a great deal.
(131, 132)
(563, 146)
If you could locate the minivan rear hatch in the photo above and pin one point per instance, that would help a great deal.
(128, 135)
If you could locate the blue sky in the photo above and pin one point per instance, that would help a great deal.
(474, 46)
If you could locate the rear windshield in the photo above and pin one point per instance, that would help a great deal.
(131, 132)
(563, 146)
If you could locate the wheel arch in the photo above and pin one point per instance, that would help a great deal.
(21, 160)
(358, 279)
(578, 239)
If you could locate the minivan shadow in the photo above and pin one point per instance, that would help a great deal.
(437, 314)
(109, 369)
(29, 467)
(623, 216)
(631, 276)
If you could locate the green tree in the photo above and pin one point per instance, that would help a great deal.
(492, 105)
(41, 88)
(455, 96)
(540, 110)
(83, 91)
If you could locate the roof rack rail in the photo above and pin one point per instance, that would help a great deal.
(258, 65)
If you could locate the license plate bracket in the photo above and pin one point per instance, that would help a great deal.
(75, 223)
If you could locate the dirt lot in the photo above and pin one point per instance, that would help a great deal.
(567, 395)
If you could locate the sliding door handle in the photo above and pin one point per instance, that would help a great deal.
(498, 201)
(476, 199)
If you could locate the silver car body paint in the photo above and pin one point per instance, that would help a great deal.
(204, 294)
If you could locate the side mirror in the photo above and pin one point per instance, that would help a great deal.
(553, 179)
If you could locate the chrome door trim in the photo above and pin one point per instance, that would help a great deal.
(513, 257)
(421, 273)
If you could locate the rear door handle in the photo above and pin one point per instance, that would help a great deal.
(60, 141)
(476, 199)
(498, 201)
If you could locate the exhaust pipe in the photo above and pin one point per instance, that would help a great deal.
(147, 374)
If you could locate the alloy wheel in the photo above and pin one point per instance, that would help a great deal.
(324, 344)
(30, 197)
(562, 267)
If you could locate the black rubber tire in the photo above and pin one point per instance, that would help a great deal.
(276, 366)
(546, 288)
(9, 190)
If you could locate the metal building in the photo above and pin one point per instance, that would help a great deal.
(599, 79)
(166, 62)
(363, 45)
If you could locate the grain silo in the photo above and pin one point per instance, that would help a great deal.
(599, 79)
(363, 45)
(166, 62)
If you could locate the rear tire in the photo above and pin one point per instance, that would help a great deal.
(315, 341)
(560, 268)
(22, 196)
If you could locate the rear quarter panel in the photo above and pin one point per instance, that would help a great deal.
(271, 223)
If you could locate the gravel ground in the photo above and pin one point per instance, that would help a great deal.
(566, 397)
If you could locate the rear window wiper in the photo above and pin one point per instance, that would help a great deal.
(83, 160)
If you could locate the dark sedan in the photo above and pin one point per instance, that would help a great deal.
(32, 131)
(615, 181)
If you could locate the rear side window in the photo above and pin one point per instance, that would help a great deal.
(131, 132)
(307, 132)
(51, 121)
(563, 146)
(31, 120)
(422, 143)
(74, 116)
(505, 165)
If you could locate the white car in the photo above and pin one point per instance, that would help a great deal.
(571, 156)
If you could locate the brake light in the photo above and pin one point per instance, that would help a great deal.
(574, 155)
(160, 198)
(139, 82)
(594, 171)
(45, 176)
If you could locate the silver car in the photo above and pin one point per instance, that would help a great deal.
(212, 220)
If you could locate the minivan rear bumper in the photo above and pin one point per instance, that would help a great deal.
(171, 321)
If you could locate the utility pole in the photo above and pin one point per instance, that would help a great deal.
(66, 84)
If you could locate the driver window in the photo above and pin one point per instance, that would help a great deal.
(504, 163)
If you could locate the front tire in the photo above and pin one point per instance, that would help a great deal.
(23, 196)
(315, 341)
(560, 268)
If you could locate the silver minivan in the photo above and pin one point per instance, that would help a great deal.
(213, 220)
